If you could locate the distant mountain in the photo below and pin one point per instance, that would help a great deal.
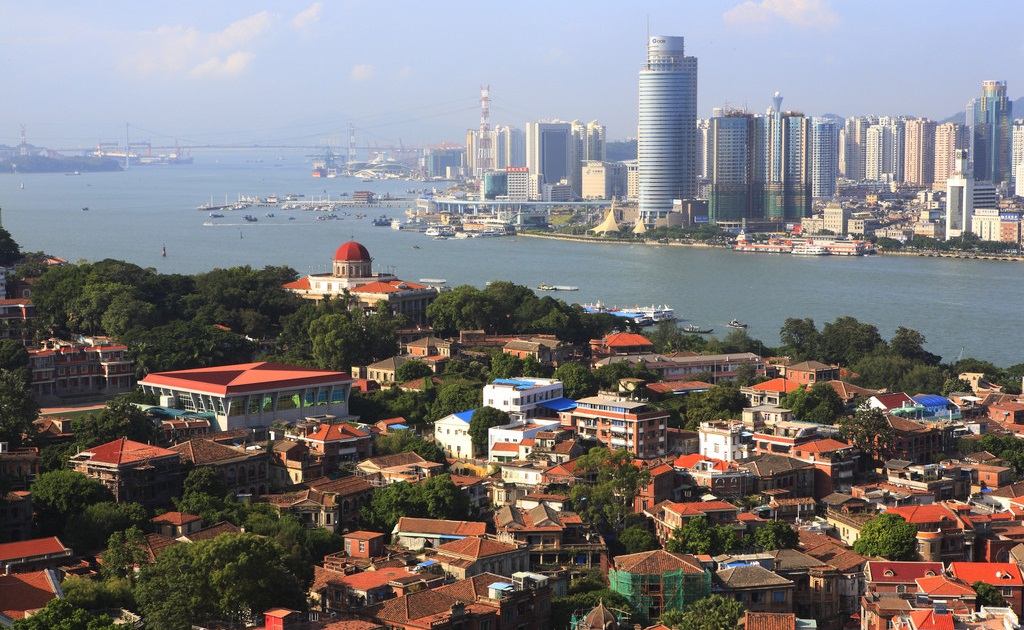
(620, 151)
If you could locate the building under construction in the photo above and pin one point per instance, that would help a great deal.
(658, 581)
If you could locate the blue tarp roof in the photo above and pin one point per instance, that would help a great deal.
(427, 563)
(501, 586)
(558, 404)
(519, 384)
(465, 416)
(399, 426)
(931, 400)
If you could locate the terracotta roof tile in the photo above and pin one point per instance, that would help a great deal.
(475, 547)
(200, 451)
(994, 573)
(435, 526)
(31, 548)
(125, 451)
(657, 562)
(23, 592)
(769, 621)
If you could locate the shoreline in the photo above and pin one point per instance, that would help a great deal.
(932, 254)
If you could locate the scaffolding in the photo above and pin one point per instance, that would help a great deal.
(653, 594)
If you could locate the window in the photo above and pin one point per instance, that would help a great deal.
(1006, 592)
(779, 596)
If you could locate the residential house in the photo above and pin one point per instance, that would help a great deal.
(834, 462)
(619, 344)
(810, 372)
(134, 472)
(1005, 576)
(816, 593)
(778, 472)
(36, 554)
(341, 593)
(451, 434)
(553, 538)
(19, 466)
(782, 436)
(620, 424)
(883, 576)
(661, 487)
(546, 349)
(482, 602)
(415, 533)
(324, 502)
(726, 440)
(364, 544)
(848, 564)
(716, 476)
(22, 594)
(176, 524)
(757, 588)
(474, 555)
(669, 515)
(941, 535)
(769, 392)
(15, 516)
(408, 466)
(244, 471)
(658, 581)
(91, 366)
(293, 463)
(339, 443)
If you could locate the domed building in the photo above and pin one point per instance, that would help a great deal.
(599, 618)
(352, 271)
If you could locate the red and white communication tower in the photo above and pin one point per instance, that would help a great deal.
(484, 146)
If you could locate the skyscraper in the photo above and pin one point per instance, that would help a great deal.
(919, 152)
(855, 163)
(509, 147)
(788, 186)
(824, 157)
(730, 158)
(990, 118)
(949, 137)
(1017, 153)
(959, 197)
(667, 140)
(549, 150)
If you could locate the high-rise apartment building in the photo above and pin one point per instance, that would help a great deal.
(588, 146)
(991, 119)
(959, 196)
(824, 157)
(509, 147)
(883, 150)
(760, 166)
(919, 152)
(856, 138)
(1017, 152)
(949, 138)
(550, 150)
(667, 140)
(703, 140)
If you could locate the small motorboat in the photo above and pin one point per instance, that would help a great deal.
(735, 323)
(694, 329)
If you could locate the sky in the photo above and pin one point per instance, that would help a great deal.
(222, 72)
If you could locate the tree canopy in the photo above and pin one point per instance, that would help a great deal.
(776, 535)
(697, 536)
(61, 494)
(819, 403)
(889, 536)
(404, 441)
(712, 613)
(483, 419)
(867, 430)
(608, 500)
(436, 497)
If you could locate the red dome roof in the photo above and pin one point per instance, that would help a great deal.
(352, 251)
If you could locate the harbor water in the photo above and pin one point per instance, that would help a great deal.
(968, 306)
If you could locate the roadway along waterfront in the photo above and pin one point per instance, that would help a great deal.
(969, 304)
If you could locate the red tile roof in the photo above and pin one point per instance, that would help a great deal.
(626, 339)
(436, 526)
(822, 446)
(777, 385)
(503, 447)
(657, 562)
(371, 579)
(894, 401)
(689, 461)
(995, 573)
(125, 451)
(919, 514)
(929, 619)
(22, 592)
(392, 286)
(31, 548)
(883, 572)
(243, 378)
(302, 284)
(336, 432)
(175, 518)
(701, 507)
(942, 586)
(769, 621)
(475, 547)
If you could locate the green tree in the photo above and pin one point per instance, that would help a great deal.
(61, 614)
(10, 252)
(119, 419)
(404, 441)
(18, 407)
(483, 419)
(889, 536)
(909, 344)
(92, 594)
(697, 536)
(577, 380)
(721, 401)
(608, 500)
(412, 370)
(90, 529)
(454, 397)
(712, 613)
(846, 340)
(867, 430)
(638, 538)
(988, 595)
(126, 550)
(776, 535)
(819, 403)
(231, 578)
(59, 494)
(205, 493)
(955, 385)
(504, 365)
(801, 338)
(437, 497)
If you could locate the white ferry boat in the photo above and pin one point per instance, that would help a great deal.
(809, 249)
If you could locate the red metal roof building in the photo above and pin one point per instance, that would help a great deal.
(352, 273)
(253, 395)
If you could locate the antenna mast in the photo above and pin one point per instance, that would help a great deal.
(484, 149)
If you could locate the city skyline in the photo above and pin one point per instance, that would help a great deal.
(302, 72)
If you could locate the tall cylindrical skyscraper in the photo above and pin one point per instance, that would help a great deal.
(667, 138)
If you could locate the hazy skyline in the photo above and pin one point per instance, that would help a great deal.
(300, 72)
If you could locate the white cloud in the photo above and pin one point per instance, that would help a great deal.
(180, 50)
(308, 17)
(404, 73)
(361, 72)
(234, 64)
(799, 13)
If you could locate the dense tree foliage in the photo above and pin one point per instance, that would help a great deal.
(182, 345)
(584, 594)
(868, 430)
(126, 550)
(231, 578)
(61, 494)
(18, 407)
(819, 403)
(119, 419)
(483, 419)
(453, 397)
(206, 494)
(889, 536)
(608, 500)
(720, 402)
(437, 497)
(61, 614)
(638, 538)
(988, 595)
(1006, 447)
(712, 613)
(776, 535)
(697, 536)
(800, 338)
(577, 380)
(89, 530)
(412, 370)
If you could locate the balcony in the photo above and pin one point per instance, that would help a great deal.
(616, 429)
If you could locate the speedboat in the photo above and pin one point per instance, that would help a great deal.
(735, 323)
(694, 329)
